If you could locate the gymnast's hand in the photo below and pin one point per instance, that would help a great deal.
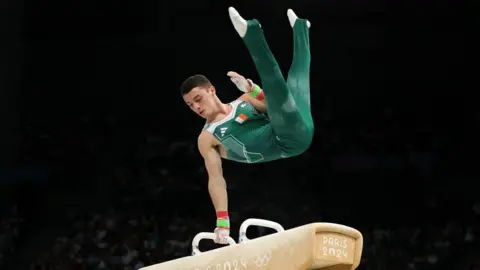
(221, 235)
(244, 85)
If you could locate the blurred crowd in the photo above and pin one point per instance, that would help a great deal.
(126, 238)
(11, 222)
(385, 179)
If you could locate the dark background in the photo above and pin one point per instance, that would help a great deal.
(98, 157)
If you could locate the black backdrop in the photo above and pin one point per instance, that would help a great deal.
(124, 61)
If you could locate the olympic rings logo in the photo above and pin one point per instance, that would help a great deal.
(260, 260)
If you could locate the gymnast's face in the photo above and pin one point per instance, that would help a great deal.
(201, 100)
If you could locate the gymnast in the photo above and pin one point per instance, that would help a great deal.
(266, 123)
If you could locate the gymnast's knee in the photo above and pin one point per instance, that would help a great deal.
(303, 141)
(306, 140)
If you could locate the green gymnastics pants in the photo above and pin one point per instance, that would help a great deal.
(288, 102)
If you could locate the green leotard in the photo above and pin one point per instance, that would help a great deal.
(246, 134)
(249, 136)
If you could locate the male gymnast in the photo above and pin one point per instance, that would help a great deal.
(241, 130)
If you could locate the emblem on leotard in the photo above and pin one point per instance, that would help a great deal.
(241, 118)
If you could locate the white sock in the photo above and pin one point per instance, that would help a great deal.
(239, 23)
(292, 17)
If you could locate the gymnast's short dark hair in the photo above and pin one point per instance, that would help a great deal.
(194, 81)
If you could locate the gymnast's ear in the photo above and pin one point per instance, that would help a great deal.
(212, 90)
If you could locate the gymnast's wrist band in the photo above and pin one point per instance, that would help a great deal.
(223, 223)
(257, 92)
(222, 220)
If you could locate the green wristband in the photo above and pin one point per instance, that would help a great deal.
(223, 223)
(256, 91)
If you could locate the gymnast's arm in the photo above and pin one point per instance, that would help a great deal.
(253, 93)
(217, 186)
(260, 105)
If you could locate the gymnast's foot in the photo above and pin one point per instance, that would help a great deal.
(239, 23)
(292, 18)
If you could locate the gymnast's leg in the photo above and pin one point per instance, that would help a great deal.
(294, 133)
(298, 79)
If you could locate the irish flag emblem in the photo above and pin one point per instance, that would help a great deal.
(241, 118)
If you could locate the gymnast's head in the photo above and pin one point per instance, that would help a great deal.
(200, 95)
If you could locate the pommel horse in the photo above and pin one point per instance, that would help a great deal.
(326, 246)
